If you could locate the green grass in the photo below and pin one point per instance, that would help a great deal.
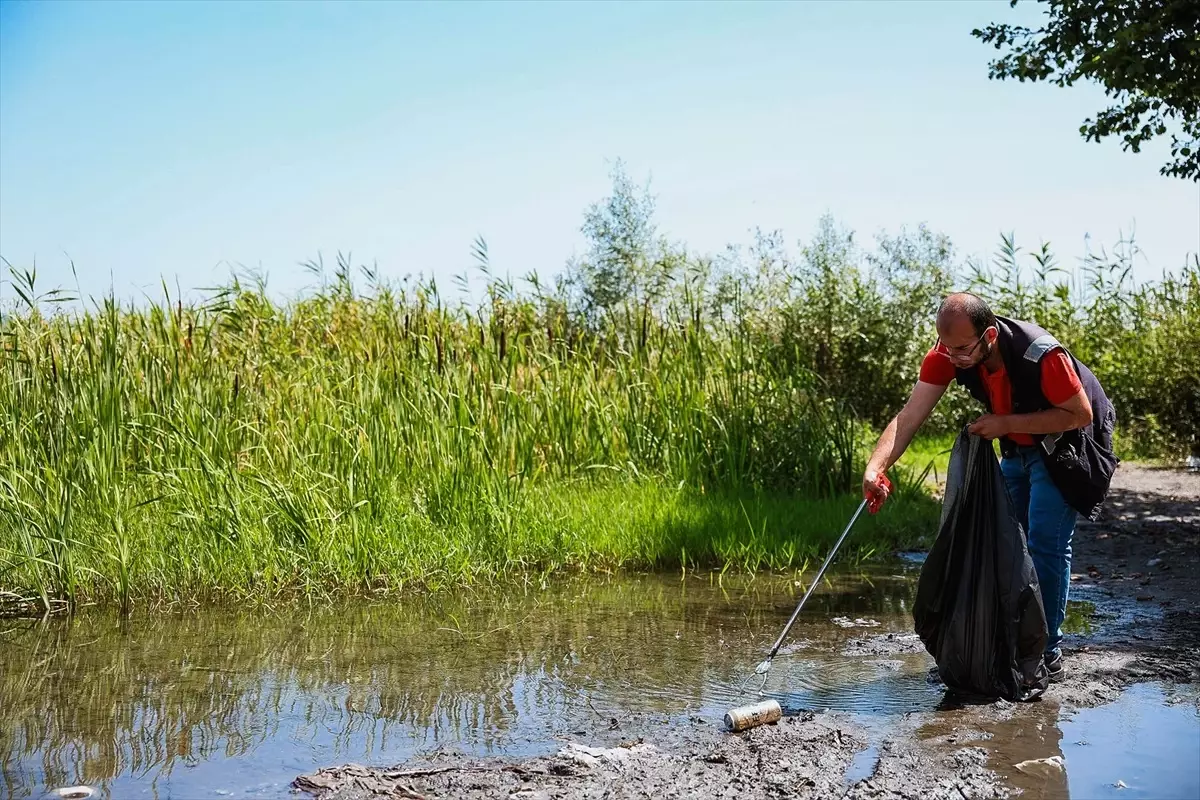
(668, 527)
(344, 443)
(929, 451)
(671, 412)
(550, 529)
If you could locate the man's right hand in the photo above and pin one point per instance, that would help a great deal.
(876, 488)
(894, 439)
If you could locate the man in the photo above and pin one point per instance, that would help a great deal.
(1055, 428)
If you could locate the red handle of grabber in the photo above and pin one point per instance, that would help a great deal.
(873, 502)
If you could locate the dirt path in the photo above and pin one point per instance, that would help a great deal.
(1139, 565)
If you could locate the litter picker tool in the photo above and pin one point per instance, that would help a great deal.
(765, 666)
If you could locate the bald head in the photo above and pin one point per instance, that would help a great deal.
(964, 307)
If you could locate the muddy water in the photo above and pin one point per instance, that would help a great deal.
(231, 703)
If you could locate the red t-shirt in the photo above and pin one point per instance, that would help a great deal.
(1059, 381)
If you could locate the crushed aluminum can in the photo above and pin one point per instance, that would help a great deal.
(751, 716)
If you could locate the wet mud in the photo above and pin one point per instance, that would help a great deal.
(1136, 619)
(808, 755)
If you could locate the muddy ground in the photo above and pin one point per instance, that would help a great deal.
(1140, 566)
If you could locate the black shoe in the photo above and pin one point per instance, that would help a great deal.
(1054, 667)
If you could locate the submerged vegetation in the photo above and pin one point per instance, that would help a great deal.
(650, 409)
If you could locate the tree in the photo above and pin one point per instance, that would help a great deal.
(1145, 53)
(626, 259)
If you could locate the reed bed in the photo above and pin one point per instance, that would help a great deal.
(651, 410)
(240, 446)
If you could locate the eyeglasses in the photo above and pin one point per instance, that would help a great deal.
(964, 350)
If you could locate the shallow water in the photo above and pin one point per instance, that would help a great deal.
(1125, 749)
(1146, 744)
(233, 703)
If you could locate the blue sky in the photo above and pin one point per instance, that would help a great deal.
(149, 140)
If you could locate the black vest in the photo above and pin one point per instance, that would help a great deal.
(1080, 462)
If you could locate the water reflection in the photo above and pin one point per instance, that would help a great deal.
(1146, 744)
(1079, 617)
(225, 700)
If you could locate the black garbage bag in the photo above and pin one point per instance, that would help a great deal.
(979, 608)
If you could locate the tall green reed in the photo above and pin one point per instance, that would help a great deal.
(241, 445)
(651, 408)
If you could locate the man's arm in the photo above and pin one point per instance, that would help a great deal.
(899, 434)
(1074, 412)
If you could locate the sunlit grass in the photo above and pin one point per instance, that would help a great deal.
(386, 441)
(929, 453)
(383, 442)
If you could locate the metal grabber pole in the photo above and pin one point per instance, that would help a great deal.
(765, 666)
(744, 717)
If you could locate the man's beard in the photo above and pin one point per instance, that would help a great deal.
(987, 348)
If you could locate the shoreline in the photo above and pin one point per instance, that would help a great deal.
(1139, 566)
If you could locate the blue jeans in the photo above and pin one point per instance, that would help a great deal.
(1049, 523)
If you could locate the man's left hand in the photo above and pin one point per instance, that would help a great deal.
(990, 426)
